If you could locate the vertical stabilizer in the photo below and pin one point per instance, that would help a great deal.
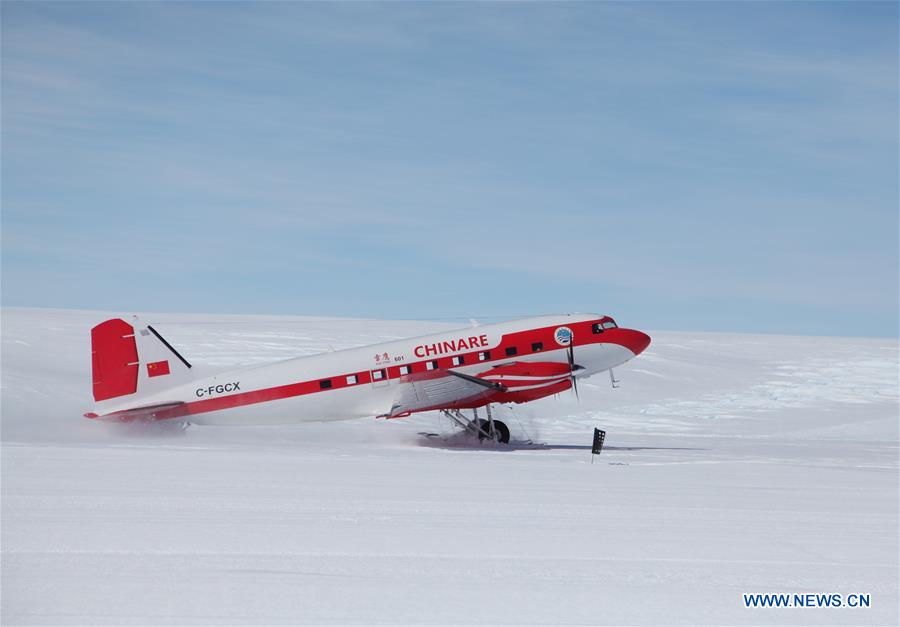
(134, 359)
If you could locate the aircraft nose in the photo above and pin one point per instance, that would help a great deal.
(635, 341)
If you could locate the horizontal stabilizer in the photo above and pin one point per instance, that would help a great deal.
(160, 411)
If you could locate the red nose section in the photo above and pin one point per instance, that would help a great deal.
(635, 341)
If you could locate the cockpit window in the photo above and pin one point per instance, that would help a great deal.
(605, 323)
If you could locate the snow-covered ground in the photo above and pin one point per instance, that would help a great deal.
(733, 464)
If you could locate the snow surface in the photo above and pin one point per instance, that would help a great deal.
(733, 464)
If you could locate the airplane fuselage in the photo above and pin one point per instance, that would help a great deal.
(364, 382)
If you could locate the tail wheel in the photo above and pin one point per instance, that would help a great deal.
(501, 431)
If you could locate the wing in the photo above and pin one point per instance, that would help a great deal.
(516, 382)
(440, 389)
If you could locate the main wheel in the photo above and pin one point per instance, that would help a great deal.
(501, 431)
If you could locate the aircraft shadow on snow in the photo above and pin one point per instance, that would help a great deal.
(464, 441)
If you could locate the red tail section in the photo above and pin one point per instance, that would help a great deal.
(115, 359)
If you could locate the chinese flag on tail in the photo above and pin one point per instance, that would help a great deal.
(157, 368)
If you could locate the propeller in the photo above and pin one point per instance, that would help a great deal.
(573, 366)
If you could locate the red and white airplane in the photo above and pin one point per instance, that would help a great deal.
(138, 375)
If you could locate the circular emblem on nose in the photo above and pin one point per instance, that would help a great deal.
(563, 336)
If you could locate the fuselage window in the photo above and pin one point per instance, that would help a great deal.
(510, 351)
(431, 365)
(597, 328)
(404, 370)
(458, 360)
(324, 384)
(351, 379)
(484, 355)
(377, 375)
(537, 347)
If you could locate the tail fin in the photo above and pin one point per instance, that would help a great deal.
(133, 359)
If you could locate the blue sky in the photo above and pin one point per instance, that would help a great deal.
(710, 166)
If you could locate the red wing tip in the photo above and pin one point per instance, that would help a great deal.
(91, 414)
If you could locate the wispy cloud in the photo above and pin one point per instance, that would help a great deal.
(407, 159)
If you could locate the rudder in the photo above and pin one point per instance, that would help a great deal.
(114, 359)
